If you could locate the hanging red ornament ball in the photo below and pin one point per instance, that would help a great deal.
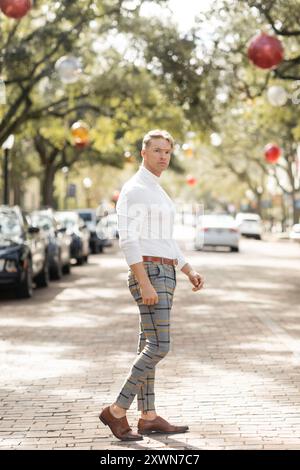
(265, 51)
(15, 8)
(191, 180)
(272, 153)
(115, 196)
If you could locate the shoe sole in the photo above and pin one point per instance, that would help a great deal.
(121, 438)
(162, 432)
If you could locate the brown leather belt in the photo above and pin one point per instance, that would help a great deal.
(160, 260)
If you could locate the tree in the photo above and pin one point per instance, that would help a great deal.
(37, 102)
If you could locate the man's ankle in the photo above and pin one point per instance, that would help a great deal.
(148, 415)
(117, 411)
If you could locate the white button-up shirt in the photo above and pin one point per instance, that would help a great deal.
(146, 217)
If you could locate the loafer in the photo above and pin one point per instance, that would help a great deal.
(118, 426)
(159, 425)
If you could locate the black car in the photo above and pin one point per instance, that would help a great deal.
(59, 242)
(23, 253)
(80, 235)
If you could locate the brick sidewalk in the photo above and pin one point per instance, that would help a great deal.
(232, 373)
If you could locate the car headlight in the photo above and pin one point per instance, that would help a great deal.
(11, 266)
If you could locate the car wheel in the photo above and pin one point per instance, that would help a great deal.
(235, 248)
(56, 272)
(66, 268)
(42, 279)
(25, 289)
(80, 260)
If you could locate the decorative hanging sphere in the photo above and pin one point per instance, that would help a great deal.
(188, 150)
(81, 132)
(15, 8)
(265, 51)
(68, 69)
(277, 95)
(115, 196)
(215, 139)
(128, 157)
(191, 180)
(81, 143)
(272, 153)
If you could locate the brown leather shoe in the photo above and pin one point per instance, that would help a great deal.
(160, 425)
(118, 426)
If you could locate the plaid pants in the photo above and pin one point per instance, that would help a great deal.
(154, 336)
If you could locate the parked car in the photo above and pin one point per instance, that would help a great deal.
(80, 235)
(59, 242)
(217, 230)
(250, 224)
(295, 233)
(97, 242)
(23, 253)
(108, 224)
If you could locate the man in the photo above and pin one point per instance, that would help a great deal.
(145, 223)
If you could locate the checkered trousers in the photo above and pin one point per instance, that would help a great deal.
(154, 336)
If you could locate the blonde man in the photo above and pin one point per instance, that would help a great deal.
(145, 222)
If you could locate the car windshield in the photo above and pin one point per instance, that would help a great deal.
(86, 216)
(67, 220)
(111, 219)
(42, 221)
(9, 225)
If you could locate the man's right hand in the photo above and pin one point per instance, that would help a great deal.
(149, 294)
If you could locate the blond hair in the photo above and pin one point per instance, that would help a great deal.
(157, 134)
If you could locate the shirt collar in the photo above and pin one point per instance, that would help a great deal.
(147, 175)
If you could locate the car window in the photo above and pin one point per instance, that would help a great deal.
(9, 224)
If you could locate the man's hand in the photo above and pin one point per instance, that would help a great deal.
(196, 280)
(149, 294)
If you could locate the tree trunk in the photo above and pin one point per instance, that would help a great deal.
(48, 184)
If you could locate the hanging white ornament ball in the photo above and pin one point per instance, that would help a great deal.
(68, 69)
(277, 95)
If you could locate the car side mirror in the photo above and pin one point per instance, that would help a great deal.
(61, 229)
(33, 229)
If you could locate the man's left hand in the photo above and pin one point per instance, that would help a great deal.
(196, 280)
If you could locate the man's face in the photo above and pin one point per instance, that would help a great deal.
(157, 155)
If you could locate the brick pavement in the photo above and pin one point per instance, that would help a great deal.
(232, 373)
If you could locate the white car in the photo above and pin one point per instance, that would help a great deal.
(295, 233)
(250, 224)
(108, 225)
(217, 230)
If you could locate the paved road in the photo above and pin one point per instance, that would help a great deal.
(232, 373)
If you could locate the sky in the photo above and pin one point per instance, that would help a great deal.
(183, 11)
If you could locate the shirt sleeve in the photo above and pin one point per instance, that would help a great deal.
(179, 255)
(130, 219)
